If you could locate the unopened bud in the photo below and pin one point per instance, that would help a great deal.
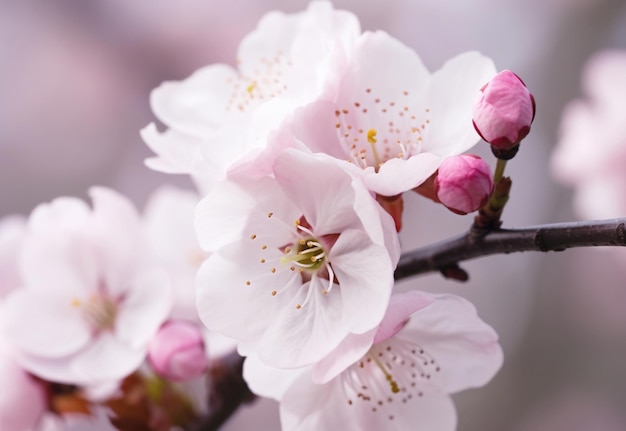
(177, 351)
(505, 110)
(463, 183)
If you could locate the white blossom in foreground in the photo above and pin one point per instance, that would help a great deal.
(91, 298)
(394, 119)
(299, 261)
(221, 115)
(427, 347)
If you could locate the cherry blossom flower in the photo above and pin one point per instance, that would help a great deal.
(91, 298)
(591, 151)
(288, 61)
(299, 261)
(426, 347)
(394, 119)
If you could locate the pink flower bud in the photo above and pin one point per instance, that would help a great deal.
(505, 110)
(463, 183)
(177, 351)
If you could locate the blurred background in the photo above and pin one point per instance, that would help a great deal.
(75, 79)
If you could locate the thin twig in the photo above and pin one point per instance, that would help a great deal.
(552, 237)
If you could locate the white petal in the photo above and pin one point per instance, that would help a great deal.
(320, 188)
(302, 336)
(235, 210)
(350, 350)
(144, 308)
(451, 96)
(464, 347)
(268, 381)
(365, 275)
(397, 176)
(197, 105)
(229, 305)
(45, 322)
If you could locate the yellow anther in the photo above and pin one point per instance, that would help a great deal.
(250, 88)
(371, 136)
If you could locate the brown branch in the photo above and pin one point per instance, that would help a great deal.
(227, 392)
(446, 255)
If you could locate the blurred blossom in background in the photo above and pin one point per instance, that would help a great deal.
(75, 80)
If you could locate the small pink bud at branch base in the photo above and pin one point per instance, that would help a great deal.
(463, 183)
(504, 111)
(177, 352)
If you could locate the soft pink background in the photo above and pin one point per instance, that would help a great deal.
(75, 78)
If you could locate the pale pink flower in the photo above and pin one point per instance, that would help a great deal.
(463, 183)
(504, 110)
(92, 298)
(300, 260)
(427, 347)
(220, 114)
(591, 151)
(391, 117)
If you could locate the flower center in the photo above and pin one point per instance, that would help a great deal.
(390, 372)
(257, 82)
(373, 130)
(308, 254)
(99, 312)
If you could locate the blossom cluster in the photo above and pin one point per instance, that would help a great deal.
(301, 155)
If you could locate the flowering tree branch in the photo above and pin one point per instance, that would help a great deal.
(229, 389)
(446, 255)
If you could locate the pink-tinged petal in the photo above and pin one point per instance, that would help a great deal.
(301, 336)
(47, 323)
(197, 105)
(350, 350)
(106, 359)
(400, 308)
(178, 153)
(315, 125)
(144, 308)
(168, 219)
(267, 381)
(310, 407)
(234, 290)
(379, 56)
(319, 187)
(118, 239)
(259, 162)
(365, 275)
(465, 348)
(23, 401)
(398, 176)
(451, 96)
(58, 253)
(239, 209)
